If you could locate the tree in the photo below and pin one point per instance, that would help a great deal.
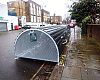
(84, 10)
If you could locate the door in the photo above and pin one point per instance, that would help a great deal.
(3, 26)
(11, 26)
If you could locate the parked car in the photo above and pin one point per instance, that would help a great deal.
(17, 27)
(26, 27)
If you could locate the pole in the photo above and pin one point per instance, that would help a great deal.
(19, 8)
(42, 16)
(74, 33)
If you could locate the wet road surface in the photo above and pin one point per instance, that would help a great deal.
(11, 69)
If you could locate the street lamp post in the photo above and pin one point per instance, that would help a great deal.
(42, 15)
(43, 5)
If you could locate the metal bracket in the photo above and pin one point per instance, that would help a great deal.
(33, 36)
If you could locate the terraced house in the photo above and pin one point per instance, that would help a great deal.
(29, 8)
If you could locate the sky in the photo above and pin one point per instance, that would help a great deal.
(59, 7)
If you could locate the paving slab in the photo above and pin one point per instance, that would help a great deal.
(68, 79)
(93, 74)
(84, 64)
(72, 72)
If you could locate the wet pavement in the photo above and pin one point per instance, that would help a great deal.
(83, 60)
(11, 69)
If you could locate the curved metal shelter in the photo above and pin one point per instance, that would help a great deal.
(42, 43)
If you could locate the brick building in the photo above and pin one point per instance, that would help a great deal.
(35, 11)
(16, 8)
(45, 15)
(55, 19)
(29, 8)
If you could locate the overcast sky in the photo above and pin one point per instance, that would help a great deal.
(59, 7)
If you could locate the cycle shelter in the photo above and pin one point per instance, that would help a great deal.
(41, 43)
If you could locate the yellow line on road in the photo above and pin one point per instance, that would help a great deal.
(37, 72)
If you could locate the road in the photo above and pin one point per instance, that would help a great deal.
(11, 69)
